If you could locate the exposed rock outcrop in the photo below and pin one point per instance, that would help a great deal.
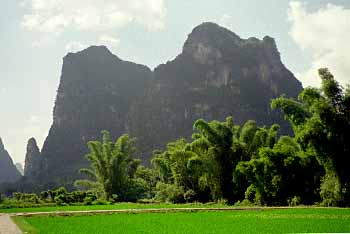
(32, 159)
(8, 171)
(96, 91)
(217, 74)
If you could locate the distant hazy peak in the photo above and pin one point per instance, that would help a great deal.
(1, 144)
(32, 159)
(32, 142)
(8, 171)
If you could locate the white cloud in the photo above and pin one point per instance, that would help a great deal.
(55, 16)
(324, 33)
(75, 46)
(109, 40)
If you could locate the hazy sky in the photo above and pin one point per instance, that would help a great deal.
(36, 34)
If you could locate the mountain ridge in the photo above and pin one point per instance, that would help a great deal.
(8, 170)
(217, 74)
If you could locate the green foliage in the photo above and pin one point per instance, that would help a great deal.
(178, 165)
(294, 201)
(321, 123)
(112, 169)
(224, 162)
(205, 168)
(190, 196)
(279, 173)
(169, 193)
(252, 195)
(213, 144)
(25, 197)
(49, 198)
(330, 191)
(89, 199)
(148, 179)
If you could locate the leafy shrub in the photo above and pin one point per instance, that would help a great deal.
(147, 201)
(89, 199)
(60, 199)
(222, 201)
(136, 190)
(252, 196)
(100, 202)
(330, 193)
(190, 195)
(244, 203)
(114, 198)
(294, 201)
(169, 193)
(25, 197)
(44, 195)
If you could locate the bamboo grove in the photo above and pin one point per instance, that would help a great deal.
(248, 164)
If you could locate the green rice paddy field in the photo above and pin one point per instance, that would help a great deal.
(299, 220)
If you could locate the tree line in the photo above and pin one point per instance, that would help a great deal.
(248, 164)
(228, 163)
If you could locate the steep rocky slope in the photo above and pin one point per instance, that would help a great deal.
(217, 74)
(8, 171)
(33, 160)
(95, 93)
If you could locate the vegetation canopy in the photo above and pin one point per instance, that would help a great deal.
(228, 163)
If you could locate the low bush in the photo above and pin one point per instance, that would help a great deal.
(169, 193)
(330, 193)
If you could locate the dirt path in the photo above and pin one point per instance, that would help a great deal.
(7, 226)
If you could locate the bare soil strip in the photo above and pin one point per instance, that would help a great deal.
(7, 226)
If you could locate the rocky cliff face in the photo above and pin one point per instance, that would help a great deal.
(95, 93)
(217, 74)
(8, 171)
(33, 159)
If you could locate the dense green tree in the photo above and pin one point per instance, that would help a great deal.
(321, 123)
(112, 167)
(180, 166)
(216, 140)
(221, 146)
(280, 173)
(204, 169)
(149, 178)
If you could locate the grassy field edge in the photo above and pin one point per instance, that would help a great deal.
(24, 225)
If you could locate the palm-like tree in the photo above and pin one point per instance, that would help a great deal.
(112, 165)
(215, 140)
(221, 146)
